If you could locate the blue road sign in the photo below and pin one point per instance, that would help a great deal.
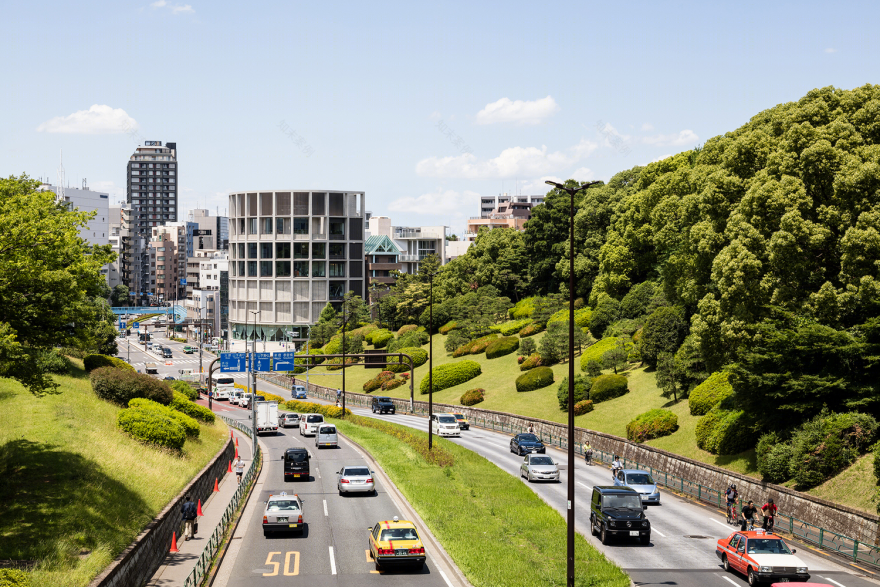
(233, 362)
(283, 361)
(121, 325)
(261, 361)
(137, 324)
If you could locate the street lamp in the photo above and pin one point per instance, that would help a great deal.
(253, 390)
(430, 276)
(571, 191)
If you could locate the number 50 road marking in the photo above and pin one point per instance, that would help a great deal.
(287, 571)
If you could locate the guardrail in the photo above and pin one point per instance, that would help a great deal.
(204, 563)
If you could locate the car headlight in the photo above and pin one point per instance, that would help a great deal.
(802, 569)
(613, 523)
(645, 524)
(765, 569)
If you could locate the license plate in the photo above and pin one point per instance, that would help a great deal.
(633, 532)
(293, 525)
(297, 475)
(401, 551)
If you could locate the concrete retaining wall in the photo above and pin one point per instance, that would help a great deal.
(140, 560)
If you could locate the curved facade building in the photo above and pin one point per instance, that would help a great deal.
(291, 252)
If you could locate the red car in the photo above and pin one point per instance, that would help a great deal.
(761, 557)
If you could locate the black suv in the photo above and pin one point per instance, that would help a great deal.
(382, 405)
(618, 512)
(296, 464)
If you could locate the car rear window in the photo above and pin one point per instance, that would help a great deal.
(314, 418)
(282, 505)
(356, 471)
(296, 456)
(639, 479)
(399, 534)
(327, 430)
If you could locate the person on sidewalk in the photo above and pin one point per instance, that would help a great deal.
(239, 469)
(531, 429)
(189, 517)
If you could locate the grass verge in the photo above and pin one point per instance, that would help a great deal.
(497, 530)
(75, 490)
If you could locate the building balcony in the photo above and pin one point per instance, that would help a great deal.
(384, 266)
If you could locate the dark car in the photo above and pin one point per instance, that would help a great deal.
(168, 378)
(296, 464)
(617, 512)
(523, 444)
(166, 353)
(382, 405)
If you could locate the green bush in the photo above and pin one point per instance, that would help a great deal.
(636, 302)
(450, 375)
(581, 388)
(51, 361)
(190, 426)
(419, 357)
(392, 384)
(664, 331)
(92, 362)
(475, 347)
(502, 346)
(710, 393)
(121, 386)
(724, 431)
(186, 389)
(334, 347)
(607, 312)
(407, 328)
(773, 458)
(381, 337)
(448, 327)
(530, 363)
(581, 317)
(312, 408)
(363, 330)
(152, 427)
(583, 407)
(651, 424)
(14, 578)
(522, 309)
(593, 368)
(511, 326)
(626, 327)
(536, 378)
(825, 445)
(595, 351)
(530, 330)
(377, 381)
(335, 364)
(181, 403)
(472, 397)
(606, 387)
(413, 338)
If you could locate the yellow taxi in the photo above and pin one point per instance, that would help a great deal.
(462, 422)
(396, 542)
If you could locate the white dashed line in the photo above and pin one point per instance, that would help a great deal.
(654, 529)
(445, 578)
(729, 580)
(581, 484)
(325, 508)
(720, 524)
(833, 581)
(318, 471)
(332, 562)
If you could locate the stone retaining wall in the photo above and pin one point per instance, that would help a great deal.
(140, 560)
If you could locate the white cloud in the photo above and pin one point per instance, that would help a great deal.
(435, 115)
(661, 157)
(438, 202)
(538, 187)
(830, 50)
(517, 111)
(175, 8)
(158, 4)
(582, 174)
(512, 162)
(99, 119)
(684, 137)
(647, 126)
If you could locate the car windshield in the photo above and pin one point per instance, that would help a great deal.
(541, 461)
(446, 419)
(384, 400)
(283, 505)
(356, 472)
(296, 456)
(621, 501)
(767, 546)
(459, 416)
(314, 418)
(528, 438)
(398, 534)
(639, 479)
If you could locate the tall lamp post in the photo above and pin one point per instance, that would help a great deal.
(430, 276)
(571, 458)
(253, 391)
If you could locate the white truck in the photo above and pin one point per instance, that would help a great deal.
(267, 417)
(152, 368)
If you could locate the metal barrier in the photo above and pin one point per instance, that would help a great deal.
(205, 560)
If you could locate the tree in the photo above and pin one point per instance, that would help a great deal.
(615, 358)
(119, 296)
(455, 339)
(554, 344)
(582, 385)
(594, 368)
(452, 237)
(668, 376)
(527, 347)
(664, 331)
(607, 312)
(545, 307)
(354, 313)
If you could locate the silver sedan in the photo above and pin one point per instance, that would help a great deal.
(537, 467)
(355, 479)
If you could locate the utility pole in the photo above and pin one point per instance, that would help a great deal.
(253, 389)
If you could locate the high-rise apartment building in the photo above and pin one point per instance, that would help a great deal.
(151, 187)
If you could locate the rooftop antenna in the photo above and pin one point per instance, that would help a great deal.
(61, 174)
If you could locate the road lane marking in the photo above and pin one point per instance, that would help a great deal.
(654, 529)
(318, 471)
(729, 580)
(325, 508)
(332, 562)
(833, 581)
(442, 574)
(581, 484)
(719, 523)
(369, 560)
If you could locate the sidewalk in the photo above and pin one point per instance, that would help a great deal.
(177, 566)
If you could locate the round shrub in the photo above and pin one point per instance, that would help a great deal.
(334, 347)
(14, 578)
(186, 389)
(182, 404)
(530, 363)
(335, 364)
(121, 386)
(583, 407)
(448, 327)
(530, 330)
(502, 346)
(392, 384)
(363, 330)
(407, 328)
(377, 381)
(652, 424)
(92, 362)
(381, 337)
(607, 312)
(522, 309)
(724, 431)
(773, 458)
(450, 375)
(152, 427)
(827, 444)
(581, 388)
(536, 378)
(51, 361)
(594, 352)
(480, 345)
(606, 387)
(511, 327)
(664, 331)
(401, 365)
(710, 393)
(582, 316)
(472, 397)
(190, 426)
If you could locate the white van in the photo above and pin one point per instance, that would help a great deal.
(309, 423)
(326, 436)
(223, 387)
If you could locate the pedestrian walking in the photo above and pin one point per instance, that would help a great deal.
(189, 512)
(239, 469)
(531, 429)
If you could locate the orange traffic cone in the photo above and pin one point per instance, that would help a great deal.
(216, 487)
(230, 434)
(236, 442)
(229, 468)
(199, 509)
(174, 542)
(236, 452)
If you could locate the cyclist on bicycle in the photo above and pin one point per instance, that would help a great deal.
(748, 514)
(616, 466)
(731, 494)
(768, 510)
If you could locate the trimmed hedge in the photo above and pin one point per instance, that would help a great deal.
(448, 327)
(450, 375)
(419, 357)
(186, 389)
(472, 397)
(531, 362)
(182, 404)
(271, 397)
(581, 388)
(535, 379)
(120, 386)
(583, 407)
(522, 309)
(581, 317)
(595, 351)
(827, 444)
(407, 328)
(363, 330)
(651, 424)
(530, 330)
(502, 346)
(475, 347)
(14, 578)
(724, 431)
(335, 364)
(392, 384)
(334, 347)
(511, 327)
(606, 387)
(190, 426)
(710, 393)
(92, 362)
(313, 408)
(377, 381)
(381, 337)
(152, 427)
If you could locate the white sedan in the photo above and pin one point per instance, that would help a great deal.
(355, 479)
(536, 467)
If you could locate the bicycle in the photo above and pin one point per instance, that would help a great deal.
(750, 524)
(732, 513)
(769, 522)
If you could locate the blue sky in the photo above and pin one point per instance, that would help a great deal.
(423, 106)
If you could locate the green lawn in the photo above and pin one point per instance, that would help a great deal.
(74, 490)
(496, 529)
(855, 486)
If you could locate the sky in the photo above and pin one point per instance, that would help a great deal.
(423, 106)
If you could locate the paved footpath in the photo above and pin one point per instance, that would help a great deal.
(177, 566)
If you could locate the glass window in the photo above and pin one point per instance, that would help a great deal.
(300, 226)
(300, 268)
(319, 250)
(337, 290)
(252, 250)
(265, 250)
(282, 225)
(282, 250)
(252, 268)
(241, 250)
(252, 226)
(282, 268)
(301, 250)
(337, 228)
(265, 268)
(319, 269)
(267, 226)
(337, 269)
(337, 251)
(241, 226)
